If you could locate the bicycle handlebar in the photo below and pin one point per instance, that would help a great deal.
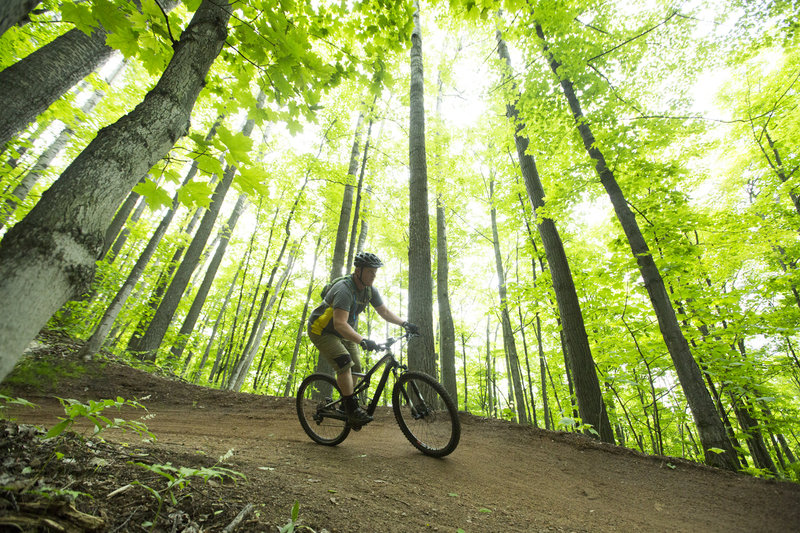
(384, 346)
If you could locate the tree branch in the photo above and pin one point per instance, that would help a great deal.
(620, 45)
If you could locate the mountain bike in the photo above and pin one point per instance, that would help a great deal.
(422, 407)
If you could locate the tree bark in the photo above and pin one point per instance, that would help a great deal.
(49, 256)
(29, 86)
(421, 350)
(146, 345)
(302, 325)
(509, 343)
(13, 12)
(709, 426)
(340, 247)
(211, 272)
(578, 353)
(447, 333)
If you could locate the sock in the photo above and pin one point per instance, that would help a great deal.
(350, 403)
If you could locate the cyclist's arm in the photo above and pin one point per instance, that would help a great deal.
(388, 315)
(342, 327)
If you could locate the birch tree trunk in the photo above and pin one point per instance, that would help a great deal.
(421, 350)
(709, 425)
(49, 256)
(577, 353)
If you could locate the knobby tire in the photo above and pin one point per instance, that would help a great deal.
(426, 414)
(314, 398)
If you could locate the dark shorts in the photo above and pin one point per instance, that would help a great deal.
(340, 353)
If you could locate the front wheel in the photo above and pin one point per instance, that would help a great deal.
(320, 410)
(426, 414)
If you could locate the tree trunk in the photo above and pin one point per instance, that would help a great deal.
(509, 343)
(217, 322)
(710, 427)
(29, 86)
(49, 256)
(340, 247)
(447, 333)
(239, 373)
(122, 238)
(578, 353)
(356, 211)
(211, 272)
(22, 190)
(13, 12)
(302, 325)
(421, 350)
(146, 345)
(118, 302)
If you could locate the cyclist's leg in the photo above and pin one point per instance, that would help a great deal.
(338, 353)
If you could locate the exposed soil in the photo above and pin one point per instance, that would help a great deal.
(502, 477)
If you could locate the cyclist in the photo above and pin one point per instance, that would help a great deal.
(332, 327)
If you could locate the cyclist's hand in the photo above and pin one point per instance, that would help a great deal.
(370, 345)
(411, 328)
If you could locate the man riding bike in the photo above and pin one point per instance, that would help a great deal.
(332, 327)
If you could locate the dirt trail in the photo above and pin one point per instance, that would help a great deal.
(502, 477)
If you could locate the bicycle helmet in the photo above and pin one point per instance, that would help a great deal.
(366, 259)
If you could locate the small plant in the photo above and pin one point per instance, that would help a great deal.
(294, 522)
(5, 401)
(93, 411)
(179, 478)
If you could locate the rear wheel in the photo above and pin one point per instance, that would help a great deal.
(426, 414)
(320, 410)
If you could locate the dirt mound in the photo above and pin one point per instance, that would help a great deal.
(502, 477)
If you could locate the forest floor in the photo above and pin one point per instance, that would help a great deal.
(502, 477)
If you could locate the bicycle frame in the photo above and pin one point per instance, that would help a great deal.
(391, 368)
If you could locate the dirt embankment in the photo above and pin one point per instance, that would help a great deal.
(502, 477)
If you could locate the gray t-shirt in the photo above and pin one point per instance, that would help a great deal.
(343, 295)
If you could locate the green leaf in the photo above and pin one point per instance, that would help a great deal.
(155, 196)
(251, 181)
(58, 429)
(238, 145)
(79, 15)
(196, 193)
(209, 165)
